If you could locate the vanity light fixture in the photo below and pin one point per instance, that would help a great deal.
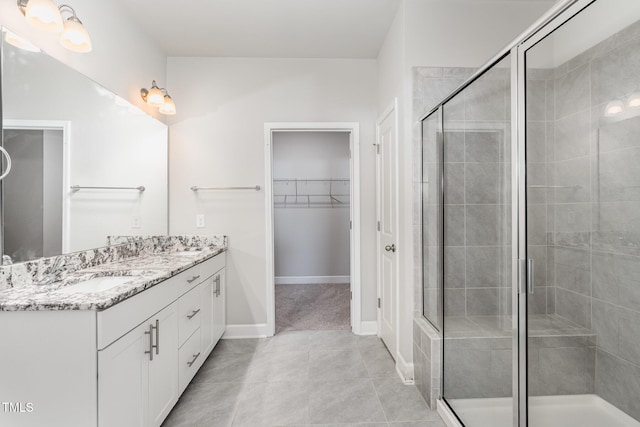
(158, 97)
(19, 42)
(634, 100)
(45, 15)
(614, 108)
(75, 36)
(42, 13)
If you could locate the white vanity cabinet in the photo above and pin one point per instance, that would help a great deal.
(137, 379)
(124, 366)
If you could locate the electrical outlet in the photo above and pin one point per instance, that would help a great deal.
(200, 221)
(136, 221)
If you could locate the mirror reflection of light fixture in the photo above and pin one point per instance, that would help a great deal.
(633, 100)
(169, 107)
(42, 13)
(45, 15)
(19, 42)
(74, 36)
(158, 97)
(613, 108)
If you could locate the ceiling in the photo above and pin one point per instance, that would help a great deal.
(266, 28)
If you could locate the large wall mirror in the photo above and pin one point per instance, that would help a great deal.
(80, 157)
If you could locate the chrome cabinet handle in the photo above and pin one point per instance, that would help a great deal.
(193, 278)
(195, 357)
(151, 346)
(217, 280)
(190, 316)
(390, 248)
(157, 336)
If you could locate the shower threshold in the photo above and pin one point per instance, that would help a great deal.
(584, 410)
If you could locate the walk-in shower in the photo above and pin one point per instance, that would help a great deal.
(531, 226)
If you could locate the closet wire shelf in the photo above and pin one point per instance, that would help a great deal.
(311, 193)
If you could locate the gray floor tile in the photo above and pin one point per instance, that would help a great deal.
(240, 345)
(379, 362)
(344, 401)
(402, 402)
(287, 341)
(224, 367)
(333, 340)
(205, 403)
(431, 423)
(279, 366)
(273, 404)
(330, 365)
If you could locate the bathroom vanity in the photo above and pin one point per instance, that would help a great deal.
(114, 344)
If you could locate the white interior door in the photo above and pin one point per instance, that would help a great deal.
(387, 228)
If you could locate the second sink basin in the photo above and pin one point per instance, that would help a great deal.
(96, 284)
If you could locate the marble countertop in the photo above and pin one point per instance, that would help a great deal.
(144, 272)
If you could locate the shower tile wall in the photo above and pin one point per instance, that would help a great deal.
(584, 234)
(584, 238)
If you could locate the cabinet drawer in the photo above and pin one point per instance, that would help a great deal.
(213, 265)
(190, 359)
(191, 278)
(189, 313)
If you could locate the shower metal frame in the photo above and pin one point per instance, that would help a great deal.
(557, 16)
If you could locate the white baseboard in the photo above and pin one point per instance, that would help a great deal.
(447, 416)
(368, 328)
(259, 330)
(404, 369)
(310, 280)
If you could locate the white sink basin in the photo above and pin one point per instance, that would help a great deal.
(97, 284)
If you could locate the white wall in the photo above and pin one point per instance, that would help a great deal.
(445, 33)
(311, 242)
(123, 59)
(217, 139)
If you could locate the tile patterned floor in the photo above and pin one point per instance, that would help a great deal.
(301, 378)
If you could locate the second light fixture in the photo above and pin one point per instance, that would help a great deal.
(45, 15)
(158, 97)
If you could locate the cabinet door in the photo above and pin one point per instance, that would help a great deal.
(123, 381)
(208, 295)
(219, 306)
(163, 373)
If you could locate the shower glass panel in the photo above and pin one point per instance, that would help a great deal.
(432, 218)
(583, 219)
(477, 329)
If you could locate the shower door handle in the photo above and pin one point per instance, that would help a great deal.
(530, 275)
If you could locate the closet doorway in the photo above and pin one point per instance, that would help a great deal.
(310, 210)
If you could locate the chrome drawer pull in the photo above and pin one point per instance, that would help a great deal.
(151, 346)
(195, 357)
(190, 316)
(157, 336)
(193, 278)
(217, 291)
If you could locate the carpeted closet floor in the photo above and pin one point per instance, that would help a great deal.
(313, 307)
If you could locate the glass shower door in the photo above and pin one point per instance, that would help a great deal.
(582, 219)
(477, 251)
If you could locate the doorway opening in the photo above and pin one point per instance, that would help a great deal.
(34, 206)
(312, 200)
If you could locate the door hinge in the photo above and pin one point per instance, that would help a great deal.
(378, 302)
(378, 225)
(350, 225)
(350, 295)
(377, 148)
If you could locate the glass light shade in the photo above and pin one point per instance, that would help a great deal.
(155, 97)
(169, 107)
(19, 42)
(613, 108)
(634, 100)
(44, 14)
(75, 37)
